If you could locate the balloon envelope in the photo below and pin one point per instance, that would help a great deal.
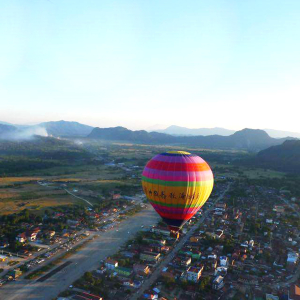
(177, 184)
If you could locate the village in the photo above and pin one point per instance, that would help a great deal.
(232, 249)
(243, 244)
(29, 242)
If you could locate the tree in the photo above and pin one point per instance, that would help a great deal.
(204, 283)
(88, 276)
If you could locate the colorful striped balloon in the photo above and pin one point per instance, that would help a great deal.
(177, 184)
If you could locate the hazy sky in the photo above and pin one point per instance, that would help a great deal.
(231, 63)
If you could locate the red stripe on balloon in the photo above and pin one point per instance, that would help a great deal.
(176, 217)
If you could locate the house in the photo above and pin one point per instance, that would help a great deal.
(219, 233)
(221, 205)
(279, 209)
(51, 233)
(21, 237)
(164, 248)
(150, 256)
(294, 293)
(218, 283)
(101, 271)
(3, 258)
(123, 271)
(193, 274)
(31, 234)
(221, 271)
(212, 261)
(3, 244)
(116, 196)
(73, 223)
(65, 233)
(159, 242)
(127, 283)
(223, 261)
(292, 258)
(185, 261)
(271, 297)
(141, 269)
(195, 239)
(162, 230)
(150, 296)
(111, 264)
(83, 295)
(128, 254)
(58, 215)
(216, 235)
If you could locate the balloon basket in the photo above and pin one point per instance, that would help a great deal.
(174, 231)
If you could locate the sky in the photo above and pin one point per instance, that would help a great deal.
(138, 63)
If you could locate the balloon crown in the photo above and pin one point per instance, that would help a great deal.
(179, 152)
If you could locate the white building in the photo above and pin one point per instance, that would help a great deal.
(221, 271)
(111, 264)
(218, 283)
(292, 258)
(193, 274)
(223, 261)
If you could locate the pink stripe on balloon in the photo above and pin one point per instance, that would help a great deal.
(178, 175)
(183, 159)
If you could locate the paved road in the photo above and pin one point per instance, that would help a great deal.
(147, 284)
(289, 204)
(84, 260)
(51, 247)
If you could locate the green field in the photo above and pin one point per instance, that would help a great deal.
(95, 170)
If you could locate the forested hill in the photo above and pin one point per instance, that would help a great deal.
(247, 139)
(57, 129)
(284, 157)
(66, 129)
(6, 129)
(38, 153)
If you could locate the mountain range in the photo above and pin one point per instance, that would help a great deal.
(247, 139)
(75, 129)
(282, 154)
(184, 131)
(66, 129)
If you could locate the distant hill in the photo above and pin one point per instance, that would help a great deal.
(280, 134)
(39, 153)
(6, 130)
(5, 123)
(56, 129)
(66, 129)
(123, 134)
(284, 157)
(183, 131)
(248, 139)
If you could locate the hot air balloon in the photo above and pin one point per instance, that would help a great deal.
(177, 184)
